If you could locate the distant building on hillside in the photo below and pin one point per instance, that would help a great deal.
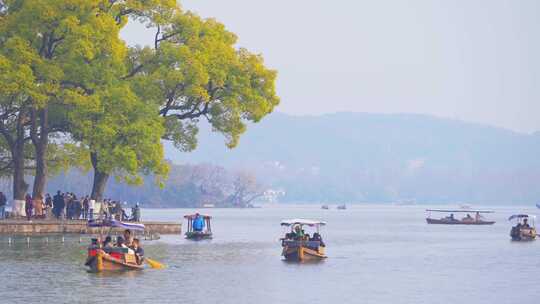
(273, 195)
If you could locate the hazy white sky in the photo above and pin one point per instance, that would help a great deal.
(467, 59)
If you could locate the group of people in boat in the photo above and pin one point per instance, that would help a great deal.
(522, 229)
(298, 234)
(132, 244)
(468, 218)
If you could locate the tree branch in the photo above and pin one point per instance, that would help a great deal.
(133, 72)
(156, 40)
(77, 85)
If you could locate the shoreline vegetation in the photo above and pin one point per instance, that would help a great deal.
(73, 94)
(190, 186)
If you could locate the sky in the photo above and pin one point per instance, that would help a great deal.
(471, 60)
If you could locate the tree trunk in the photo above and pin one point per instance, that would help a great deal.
(19, 185)
(41, 143)
(100, 180)
(17, 153)
(15, 139)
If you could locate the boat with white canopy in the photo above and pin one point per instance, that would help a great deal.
(524, 230)
(298, 245)
(101, 259)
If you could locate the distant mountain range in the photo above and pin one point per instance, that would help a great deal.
(362, 157)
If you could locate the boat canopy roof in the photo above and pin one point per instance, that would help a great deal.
(292, 222)
(462, 211)
(193, 216)
(520, 216)
(115, 224)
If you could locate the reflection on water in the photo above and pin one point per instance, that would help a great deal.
(376, 255)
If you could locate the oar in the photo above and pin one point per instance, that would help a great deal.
(154, 264)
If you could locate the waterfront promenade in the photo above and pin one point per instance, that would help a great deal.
(40, 227)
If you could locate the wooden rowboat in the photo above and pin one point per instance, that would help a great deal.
(300, 251)
(119, 259)
(297, 246)
(457, 222)
(523, 235)
(525, 230)
(197, 235)
(451, 220)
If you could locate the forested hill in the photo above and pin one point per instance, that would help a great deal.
(382, 158)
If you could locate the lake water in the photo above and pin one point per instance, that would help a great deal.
(377, 254)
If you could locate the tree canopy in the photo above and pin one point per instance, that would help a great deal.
(66, 73)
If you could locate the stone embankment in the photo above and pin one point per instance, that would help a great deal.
(39, 227)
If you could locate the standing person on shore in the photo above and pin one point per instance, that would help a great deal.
(85, 207)
(37, 203)
(3, 203)
(91, 208)
(118, 210)
(28, 206)
(136, 213)
(67, 205)
(48, 205)
(105, 209)
(77, 207)
(58, 204)
(68, 199)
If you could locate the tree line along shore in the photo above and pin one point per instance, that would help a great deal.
(74, 94)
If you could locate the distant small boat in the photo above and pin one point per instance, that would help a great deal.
(405, 202)
(465, 206)
(450, 220)
(342, 207)
(198, 235)
(325, 207)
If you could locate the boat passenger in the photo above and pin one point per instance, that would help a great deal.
(139, 251)
(525, 224)
(107, 243)
(317, 237)
(198, 223)
(478, 217)
(128, 239)
(298, 233)
(467, 218)
(120, 242)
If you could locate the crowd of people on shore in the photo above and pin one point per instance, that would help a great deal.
(68, 206)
